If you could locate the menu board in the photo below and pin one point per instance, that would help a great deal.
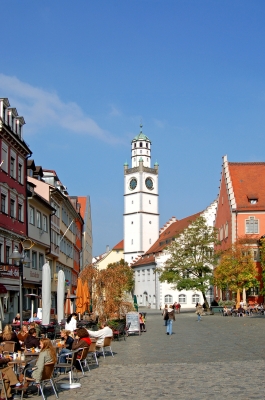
(132, 322)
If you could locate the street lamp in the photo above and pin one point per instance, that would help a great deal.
(21, 259)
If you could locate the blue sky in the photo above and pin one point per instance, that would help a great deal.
(84, 74)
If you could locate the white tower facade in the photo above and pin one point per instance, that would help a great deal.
(141, 217)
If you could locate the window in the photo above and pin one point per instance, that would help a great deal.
(12, 167)
(12, 208)
(255, 255)
(38, 219)
(148, 274)
(143, 275)
(134, 145)
(27, 255)
(168, 299)
(154, 299)
(147, 145)
(44, 223)
(252, 225)
(31, 216)
(138, 276)
(41, 261)
(20, 214)
(20, 173)
(141, 144)
(132, 222)
(195, 298)
(132, 241)
(150, 222)
(7, 254)
(4, 157)
(34, 260)
(254, 291)
(182, 298)
(3, 204)
(149, 201)
(149, 241)
(141, 299)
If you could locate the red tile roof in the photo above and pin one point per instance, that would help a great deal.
(119, 246)
(165, 238)
(248, 181)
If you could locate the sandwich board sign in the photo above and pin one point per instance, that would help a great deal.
(132, 322)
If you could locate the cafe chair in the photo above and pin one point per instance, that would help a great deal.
(9, 346)
(81, 359)
(119, 331)
(92, 352)
(69, 364)
(2, 384)
(106, 346)
(47, 378)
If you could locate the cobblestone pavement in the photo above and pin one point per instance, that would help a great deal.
(217, 358)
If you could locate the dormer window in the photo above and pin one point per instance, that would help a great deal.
(253, 198)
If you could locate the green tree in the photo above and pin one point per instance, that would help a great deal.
(192, 258)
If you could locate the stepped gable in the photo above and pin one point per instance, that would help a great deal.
(119, 246)
(248, 182)
(165, 238)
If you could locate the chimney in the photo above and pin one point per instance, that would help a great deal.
(107, 248)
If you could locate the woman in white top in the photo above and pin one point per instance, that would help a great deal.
(70, 324)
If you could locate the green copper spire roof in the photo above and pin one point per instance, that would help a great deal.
(141, 136)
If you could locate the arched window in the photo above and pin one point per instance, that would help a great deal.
(168, 299)
(147, 145)
(134, 145)
(182, 299)
(141, 144)
(195, 298)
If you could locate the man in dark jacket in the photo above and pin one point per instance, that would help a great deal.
(31, 340)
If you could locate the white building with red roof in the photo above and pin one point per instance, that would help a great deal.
(148, 289)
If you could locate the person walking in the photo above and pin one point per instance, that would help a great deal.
(171, 318)
(165, 315)
(199, 311)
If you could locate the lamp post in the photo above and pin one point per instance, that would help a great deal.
(21, 259)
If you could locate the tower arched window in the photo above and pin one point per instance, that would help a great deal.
(134, 145)
(141, 144)
(147, 145)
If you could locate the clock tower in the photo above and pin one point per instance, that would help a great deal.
(141, 218)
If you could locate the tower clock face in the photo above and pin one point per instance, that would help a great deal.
(133, 183)
(149, 183)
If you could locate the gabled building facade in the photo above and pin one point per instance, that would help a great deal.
(241, 210)
(13, 193)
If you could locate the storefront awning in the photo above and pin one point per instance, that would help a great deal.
(12, 287)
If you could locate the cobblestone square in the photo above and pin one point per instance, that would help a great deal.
(217, 358)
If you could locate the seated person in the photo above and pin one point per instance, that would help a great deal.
(47, 355)
(100, 335)
(22, 334)
(34, 318)
(9, 335)
(31, 340)
(225, 311)
(9, 378)
(67, 346)
(82, 341)
(35, 326)
(142, 322)
(16, 320)
(240, 311)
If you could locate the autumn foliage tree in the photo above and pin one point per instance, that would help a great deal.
(236, 270)
(108, 288)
